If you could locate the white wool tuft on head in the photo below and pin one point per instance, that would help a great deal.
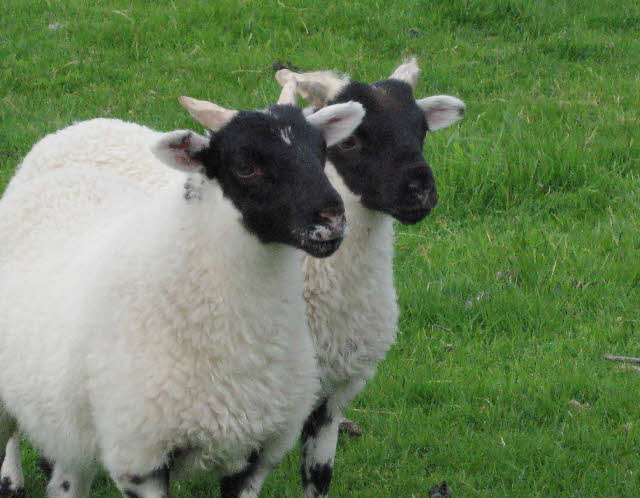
(317, 87)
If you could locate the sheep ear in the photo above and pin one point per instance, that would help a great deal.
(209, 114)
(316, 87)
(288, 94)
(407, 72)
(441, 111)
(337, 121)
(182, 150)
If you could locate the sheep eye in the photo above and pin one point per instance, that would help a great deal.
(351, 144)
(246, 171)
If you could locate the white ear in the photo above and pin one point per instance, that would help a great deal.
(337, 121)
(441, 111)
(408, 72)
(317, 87)
(209, 114)
(180, 149)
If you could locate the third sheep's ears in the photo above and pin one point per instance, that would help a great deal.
(288, 94)
(316, 87)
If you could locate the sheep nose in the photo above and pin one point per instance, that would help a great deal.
(421, 186)
(331, 214)
(333, 217)
(420, 179)
(331, 224)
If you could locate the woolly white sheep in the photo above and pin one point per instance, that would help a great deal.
(142, 332)
(380, 174)
(351, 302)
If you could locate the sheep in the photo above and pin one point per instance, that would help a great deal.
(144, 332)
(351, 302)
(381, 175)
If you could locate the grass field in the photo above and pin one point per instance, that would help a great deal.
(511, 291)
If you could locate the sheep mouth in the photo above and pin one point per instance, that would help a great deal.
(410, 216)
(321, 248)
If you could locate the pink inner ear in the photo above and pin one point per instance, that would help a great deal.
(183, 158)
(184, 144)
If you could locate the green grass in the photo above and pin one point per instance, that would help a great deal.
(526, 273)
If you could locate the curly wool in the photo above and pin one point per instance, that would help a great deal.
(352, 311)
(351, 301)
(131, 327)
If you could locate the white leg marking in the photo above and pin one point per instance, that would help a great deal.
(152, 485)
(319, 440)
(70, 483)
(11, 475)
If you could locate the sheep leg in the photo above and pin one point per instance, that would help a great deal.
(70, 483)
(12, 484)
(249, 482)
(239, 485)
(152, 485)
(11, 476)
(319, 440)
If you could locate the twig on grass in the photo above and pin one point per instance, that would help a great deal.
(304, 24)
(624, 359)
(625, 366)
(123, 14)
(442, 327)
(247, 71)
(374, 411)
(289, 7)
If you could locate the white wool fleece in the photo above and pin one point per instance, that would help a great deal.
(351, 301)
(109, 144)
(133, 326)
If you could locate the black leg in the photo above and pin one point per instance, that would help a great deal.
(152, 485)
(232, 486)
(319, 437)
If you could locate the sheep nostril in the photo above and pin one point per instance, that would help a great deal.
(334, 220)
(337, 223)
(415, 186)
(331, 213)
(330, 227)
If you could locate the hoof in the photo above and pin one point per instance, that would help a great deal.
(350, 428)
(440, 491)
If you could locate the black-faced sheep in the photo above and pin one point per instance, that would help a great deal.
(381, 175)
(140, 332)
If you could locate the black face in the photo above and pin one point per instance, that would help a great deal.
(271, 165)
(382, 161)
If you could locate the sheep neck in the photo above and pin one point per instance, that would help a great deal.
(367, 229)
